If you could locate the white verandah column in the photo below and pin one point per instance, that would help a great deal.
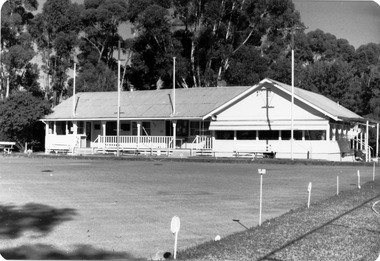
(174, 133)
(138, 133)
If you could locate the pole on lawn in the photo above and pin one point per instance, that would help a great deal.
(337, 185)
(261, 173)
(359, 179)
(309, 190)
(374, 171)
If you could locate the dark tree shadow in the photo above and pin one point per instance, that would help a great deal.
(14, 221)
(47, 252)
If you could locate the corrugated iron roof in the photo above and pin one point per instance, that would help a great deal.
(190, 103)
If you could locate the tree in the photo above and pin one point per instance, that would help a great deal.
(205, 36)
(95, 79)
(326, 46)
(367, 63)
(100, 23)
(153, 49)
(16, 43)
(55, 31)
(247, 67)
(19, 118)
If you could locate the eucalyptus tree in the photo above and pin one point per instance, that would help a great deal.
(153, 49)
(207, 37)
(367, 63)
(17, 71)
(55, 31)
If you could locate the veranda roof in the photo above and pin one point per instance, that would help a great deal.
(192, 103)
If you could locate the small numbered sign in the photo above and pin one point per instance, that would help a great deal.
(262, 171)
(175, 224)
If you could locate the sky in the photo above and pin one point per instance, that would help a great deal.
(357, 21)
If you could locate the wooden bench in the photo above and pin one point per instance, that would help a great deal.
(7, 146)
(59, 148)
(255, 151)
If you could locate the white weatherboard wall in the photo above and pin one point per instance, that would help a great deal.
(270, 109)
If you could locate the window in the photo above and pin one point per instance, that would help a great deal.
(297, 134)
(61, 127)
(246, 135)
(125, 126)
(182, 127)
(50, 127)
(269, 135)
(80, 129)
(145, 128)
(224, 135)
(194, 128)
(70, 127)
(286, 135)
(111, 128)
(315, 135)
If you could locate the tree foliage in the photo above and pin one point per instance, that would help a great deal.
(16, 45)
(19, 118)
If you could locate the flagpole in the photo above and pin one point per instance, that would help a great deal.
(174, 86)
(74, 97)
(118, 104)
(292, 105)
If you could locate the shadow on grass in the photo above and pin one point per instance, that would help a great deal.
(38, 218)
(47, 252)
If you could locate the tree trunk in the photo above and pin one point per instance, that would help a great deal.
(192, 59)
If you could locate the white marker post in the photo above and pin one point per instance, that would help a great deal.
(359, 179)
(261, 172)
(174, 227)
(337, 185)
(374, 171)
(309, 190)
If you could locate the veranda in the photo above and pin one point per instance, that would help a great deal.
(142, 136)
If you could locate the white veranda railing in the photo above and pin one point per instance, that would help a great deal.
(133, 142)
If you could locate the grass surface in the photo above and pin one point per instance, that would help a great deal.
(342, 227)
(99, 209)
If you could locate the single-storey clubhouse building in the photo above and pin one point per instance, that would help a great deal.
(220, 121)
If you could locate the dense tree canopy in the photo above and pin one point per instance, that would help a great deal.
(19, 118)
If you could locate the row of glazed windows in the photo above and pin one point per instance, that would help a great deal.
(270, 135)
(183, 127)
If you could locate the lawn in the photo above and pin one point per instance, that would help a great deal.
(98, 209)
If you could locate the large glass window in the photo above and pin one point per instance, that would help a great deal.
(224, 135)
(315, 135)
(246, 135)
(269, 135)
